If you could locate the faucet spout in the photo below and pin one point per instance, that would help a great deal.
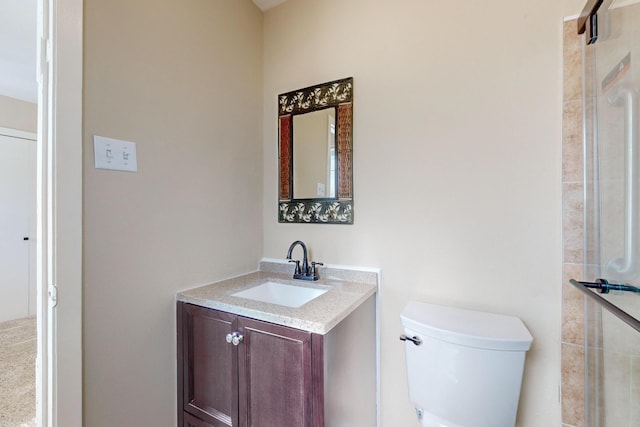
(305, 260)
(304, 273)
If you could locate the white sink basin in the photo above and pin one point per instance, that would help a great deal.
(281, 294)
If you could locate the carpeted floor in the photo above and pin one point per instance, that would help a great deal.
(17, 373)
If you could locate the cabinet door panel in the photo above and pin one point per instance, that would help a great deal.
(191, 421)
(210, 366)
(275, 375)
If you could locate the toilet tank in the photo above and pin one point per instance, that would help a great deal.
(467, 371)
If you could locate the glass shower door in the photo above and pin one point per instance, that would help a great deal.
(616, 74)
(612, 84)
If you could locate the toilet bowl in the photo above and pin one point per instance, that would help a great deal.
(464, 367)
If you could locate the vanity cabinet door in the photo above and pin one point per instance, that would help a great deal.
(191, 421)
(269, 376)
(275, 375)
(209, 366)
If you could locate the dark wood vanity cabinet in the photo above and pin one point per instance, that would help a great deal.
(271, 375)
(191, 421)
(209, 369)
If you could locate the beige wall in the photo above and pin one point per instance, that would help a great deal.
(183, 81)
(457, 163)
(572, 8)
(18, 114)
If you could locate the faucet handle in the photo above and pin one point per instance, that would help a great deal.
(314, 271)
(297, 271)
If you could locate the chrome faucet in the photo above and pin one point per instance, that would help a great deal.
(304, 272)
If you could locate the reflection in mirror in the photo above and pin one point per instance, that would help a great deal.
(315, 154)
(314, 148)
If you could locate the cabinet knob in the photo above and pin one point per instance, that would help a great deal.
(237, 339)
(234, 338)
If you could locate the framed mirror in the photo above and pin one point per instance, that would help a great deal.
(315, 127)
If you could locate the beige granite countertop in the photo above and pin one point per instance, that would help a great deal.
(346, 290)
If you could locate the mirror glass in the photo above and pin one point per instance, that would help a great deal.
(315, 154)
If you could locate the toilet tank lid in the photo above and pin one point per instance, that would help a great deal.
(467, 327)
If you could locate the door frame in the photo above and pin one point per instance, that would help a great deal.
(59, 214)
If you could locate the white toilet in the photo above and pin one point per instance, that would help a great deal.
(464, 367)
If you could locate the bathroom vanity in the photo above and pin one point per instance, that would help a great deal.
(243, 361)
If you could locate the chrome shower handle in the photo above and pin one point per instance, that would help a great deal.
(622, 267)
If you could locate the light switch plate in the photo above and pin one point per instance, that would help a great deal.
(114, 154)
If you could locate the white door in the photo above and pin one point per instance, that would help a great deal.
(17, 211)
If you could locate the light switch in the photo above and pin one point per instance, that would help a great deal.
(114, 154)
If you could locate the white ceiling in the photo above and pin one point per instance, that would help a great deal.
(266, 4)
(18, 20)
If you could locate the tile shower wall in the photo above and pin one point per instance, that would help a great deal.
(573, 345)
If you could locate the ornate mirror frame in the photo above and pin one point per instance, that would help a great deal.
(336, 210)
